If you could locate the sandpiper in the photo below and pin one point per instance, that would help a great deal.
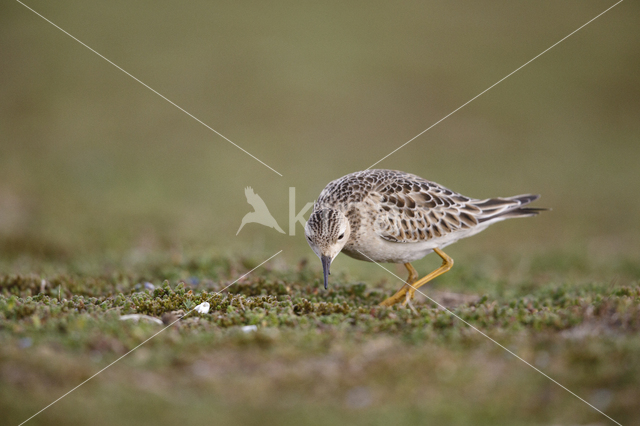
(397, 217)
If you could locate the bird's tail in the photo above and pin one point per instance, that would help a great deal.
(495, 209)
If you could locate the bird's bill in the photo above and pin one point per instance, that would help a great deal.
(326, 264)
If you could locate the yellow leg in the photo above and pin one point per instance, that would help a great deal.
(408, 290)
(413, 276)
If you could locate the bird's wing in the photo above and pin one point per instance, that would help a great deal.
(412, 209)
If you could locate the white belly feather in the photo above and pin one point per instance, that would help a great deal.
(373, 248)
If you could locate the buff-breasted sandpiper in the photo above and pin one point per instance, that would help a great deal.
(396, 217)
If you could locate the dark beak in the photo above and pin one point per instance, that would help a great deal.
(326, 264)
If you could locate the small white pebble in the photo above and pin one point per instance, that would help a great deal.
(202, 308)
(249, 328)
(137, 317)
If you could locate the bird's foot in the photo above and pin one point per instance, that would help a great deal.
(410, 306)
(404, 295)
(392, 300)
(409, 297)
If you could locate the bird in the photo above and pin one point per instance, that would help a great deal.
(390, 216)
(260, 214)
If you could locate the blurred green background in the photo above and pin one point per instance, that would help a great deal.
(93, 162)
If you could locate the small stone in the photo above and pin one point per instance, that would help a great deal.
(249, 328)
(202, 308)
(137, 317)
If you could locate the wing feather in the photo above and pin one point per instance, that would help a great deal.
(412, 209)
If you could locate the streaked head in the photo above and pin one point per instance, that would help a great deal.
(327, 232)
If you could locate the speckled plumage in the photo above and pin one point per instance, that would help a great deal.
(398, 217)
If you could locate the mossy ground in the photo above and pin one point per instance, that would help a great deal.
(317, 357)
(104, 187)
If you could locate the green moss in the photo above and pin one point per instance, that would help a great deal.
(589, 329)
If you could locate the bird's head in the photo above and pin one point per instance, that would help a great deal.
(327, 232)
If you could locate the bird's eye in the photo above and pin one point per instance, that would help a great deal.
(341, 236)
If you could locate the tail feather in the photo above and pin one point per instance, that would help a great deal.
(495, 209)
(526, 198)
